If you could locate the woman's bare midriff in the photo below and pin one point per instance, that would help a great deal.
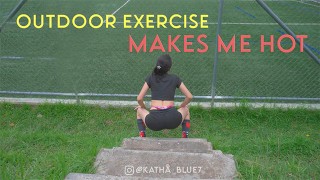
(159, 103)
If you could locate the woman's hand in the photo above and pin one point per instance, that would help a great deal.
(186, 106)
(137, 108)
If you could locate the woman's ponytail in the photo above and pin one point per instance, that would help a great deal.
(163, 65)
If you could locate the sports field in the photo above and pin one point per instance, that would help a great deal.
(98, 61)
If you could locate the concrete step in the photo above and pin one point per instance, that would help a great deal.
(168, 144)
(165, 164)
(79, 176)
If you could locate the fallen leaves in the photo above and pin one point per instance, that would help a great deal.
(11, 124)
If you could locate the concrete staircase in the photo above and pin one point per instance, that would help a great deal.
(153, 158)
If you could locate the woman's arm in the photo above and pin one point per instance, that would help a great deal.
(187, 93)
(141, 95)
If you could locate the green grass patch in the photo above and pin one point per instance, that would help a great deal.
(50, 141)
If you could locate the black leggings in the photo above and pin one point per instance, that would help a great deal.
(158, 120)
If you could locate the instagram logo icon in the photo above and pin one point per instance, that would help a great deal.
(129, 170)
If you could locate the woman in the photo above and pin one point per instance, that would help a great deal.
(163, 114)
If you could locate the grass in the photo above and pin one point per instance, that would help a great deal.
(50, 141)
(90, 60)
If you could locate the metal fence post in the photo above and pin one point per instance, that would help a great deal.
(214, 79)
(13, 13)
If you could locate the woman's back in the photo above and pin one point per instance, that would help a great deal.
(163, 87)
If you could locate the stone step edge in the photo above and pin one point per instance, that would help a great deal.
(213, 152)
(83, 176)
(102, 157)
(169, 139)
(154, 150)
(217, 152)
(193, 140)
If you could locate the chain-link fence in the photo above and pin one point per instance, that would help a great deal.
(96, 62)
(269, 74)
